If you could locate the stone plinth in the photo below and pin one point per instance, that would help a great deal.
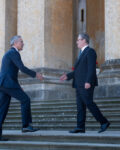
(109, 79)
(50, 88)
(110, 72)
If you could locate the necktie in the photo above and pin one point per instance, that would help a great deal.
(79, 54)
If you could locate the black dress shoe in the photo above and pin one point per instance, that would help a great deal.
(77, 130)
(3, 138)
(104, 127)
(29, 129)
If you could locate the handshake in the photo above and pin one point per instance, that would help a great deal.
(63, 77)
(39, 76)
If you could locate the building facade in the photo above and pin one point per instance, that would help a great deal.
(50, 27)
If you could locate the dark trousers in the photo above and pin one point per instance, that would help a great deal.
(5, 97)
(85, 99)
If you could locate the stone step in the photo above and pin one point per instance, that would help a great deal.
(21, 145)
(65, 101)
(14, 123)
(108, 137)
(59, 117)
(50, 101)
(59, 122)
(62, 107)
(61, 127)
(62, 140)
(69, 99)
(55, 121)
(55, 111)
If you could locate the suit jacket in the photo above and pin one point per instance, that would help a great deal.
(84, 69)
(11, 64)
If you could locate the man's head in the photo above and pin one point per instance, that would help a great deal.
(83, 40)
(17, 42)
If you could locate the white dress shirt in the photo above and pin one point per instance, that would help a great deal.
(84, 47)
(16, 49)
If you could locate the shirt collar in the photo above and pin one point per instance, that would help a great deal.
(16, 49)
(84, 47)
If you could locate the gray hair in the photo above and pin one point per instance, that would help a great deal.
(14, 39)
(84, 36)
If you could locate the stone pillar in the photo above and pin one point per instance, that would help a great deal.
(2, 28)
(47, 30)
(31, 28)
(112, 29)
(10, 21)
(8, 24)
(46, 27)
(109, 78)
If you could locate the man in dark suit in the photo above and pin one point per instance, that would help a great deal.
(84, 80)
(9, 86)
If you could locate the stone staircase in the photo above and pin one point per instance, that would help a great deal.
(61, 140)
(61, 114)
(54, 113)
(54, 118)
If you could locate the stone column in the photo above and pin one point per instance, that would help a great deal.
(109, 78)
(47, 30)
(46, 27)
(2, 28)
(31, 28)
(10, 21)
(112, 29)
(8, 24)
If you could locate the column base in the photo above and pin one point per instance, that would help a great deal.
(50, 88)
(109, 80)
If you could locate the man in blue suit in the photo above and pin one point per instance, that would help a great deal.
(9, 86)
(84, 80)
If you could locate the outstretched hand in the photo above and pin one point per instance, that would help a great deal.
(87, 85)
(39, 76)
(63, 77)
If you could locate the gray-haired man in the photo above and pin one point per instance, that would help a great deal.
(84, 80)
(9, 86)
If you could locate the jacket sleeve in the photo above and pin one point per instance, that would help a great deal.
(70, 75)
(91, 60)
(16, 59)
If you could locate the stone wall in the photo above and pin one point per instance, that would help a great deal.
(58, 33)
(48, 30)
